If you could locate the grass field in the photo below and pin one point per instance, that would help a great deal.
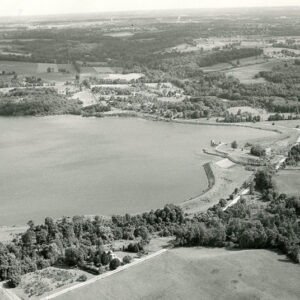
(217, 67)
(254, 111)
(24, 69)
(126, 77)
(246, 73)
(199, 273)
(288, 182)
(21, 68)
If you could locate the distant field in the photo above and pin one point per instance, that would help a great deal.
(127, 77)
(21, 68)
(250, 60)
(288, 182)
(43, 68)
(217, 67)
(120, 34)
(39, 70)
(246, 73)
(199, 273)
(86, 97)
(104, 70)
(255, 111)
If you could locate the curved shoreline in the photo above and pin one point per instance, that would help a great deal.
(211, 182)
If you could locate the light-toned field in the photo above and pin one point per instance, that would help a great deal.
(105, 70)
(199, 273)
(288, 182)
(225, 163)
(43, 68)
(86, 97)
(217, 67)
(171, 99)
(20, 68)
(246, 73)
(255, 111)
(250, 60)
(288, 123)
(127, 77)
(120, 34)
(24, 69)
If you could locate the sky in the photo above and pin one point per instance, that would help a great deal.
(48, 7)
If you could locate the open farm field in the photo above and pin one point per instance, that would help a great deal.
(105, 70)
(288, 182)
(246, 73)
(21, 68)
(120, 34)
(254, 111)
(86, 97)
(126, 77)
(217, 67)
(198, 273)
(24, 69)
(251, 60)
(289, 123)
(43, 68)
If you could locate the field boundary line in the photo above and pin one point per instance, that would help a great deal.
(102, 276)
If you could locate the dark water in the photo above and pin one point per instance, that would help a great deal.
(67, 165)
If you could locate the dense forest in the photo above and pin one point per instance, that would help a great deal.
(37, 102)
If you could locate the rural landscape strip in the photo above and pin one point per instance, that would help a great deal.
(102, 276)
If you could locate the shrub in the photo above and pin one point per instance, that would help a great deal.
(82, 278)
(234, 145)
(114, 264)
(104, 259)
(258, 150)
(127, 259)
(134, 247)
(14, 280)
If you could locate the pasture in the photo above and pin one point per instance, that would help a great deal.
(24, 69)
(287, 182)
(47, 68)
(201, 273)
(246, 73)
(126, 77)
(120, 34)
(254, 111)
(21, 68)
(217, 67)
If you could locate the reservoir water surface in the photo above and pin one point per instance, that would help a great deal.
(68, 165)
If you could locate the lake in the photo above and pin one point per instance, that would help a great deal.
(68, 165)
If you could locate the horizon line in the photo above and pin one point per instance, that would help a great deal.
(148, 10)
